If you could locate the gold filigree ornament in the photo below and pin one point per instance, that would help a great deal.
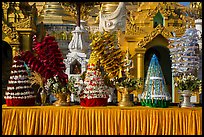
(13, 35)
(158, 30)
(26, 23)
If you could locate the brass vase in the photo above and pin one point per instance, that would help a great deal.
(125, 101)
(61, 99)
(43, 97)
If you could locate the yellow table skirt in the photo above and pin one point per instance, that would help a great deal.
(110, 120)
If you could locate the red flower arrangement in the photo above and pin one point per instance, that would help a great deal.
(48, 61)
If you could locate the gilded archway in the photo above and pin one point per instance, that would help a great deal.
(142, 38)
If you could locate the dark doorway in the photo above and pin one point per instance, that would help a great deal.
(6, 66)
(163, 55)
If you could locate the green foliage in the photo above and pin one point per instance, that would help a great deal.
(55, 86)
(107, 80)
(70, 85)
(83, 75)
(127, 82)
(188, 82)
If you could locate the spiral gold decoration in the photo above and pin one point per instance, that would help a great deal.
(109, 54)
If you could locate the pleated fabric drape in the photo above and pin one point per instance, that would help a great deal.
(110, 120)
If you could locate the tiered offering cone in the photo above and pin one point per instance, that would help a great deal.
(19, 91)
(95, 92)
(155, 92)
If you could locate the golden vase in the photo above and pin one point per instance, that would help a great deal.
(125, 100)
(43, 96)
(61, 99)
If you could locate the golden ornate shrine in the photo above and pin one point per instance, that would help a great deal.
(148, 27)
(18, 25)
(147, 32)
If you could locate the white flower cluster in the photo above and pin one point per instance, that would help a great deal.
(18, 93)
(19, 71)
(92, 67)
(53, 84)
(94, 82)
(95, 95)
(187, 82)
(158, 98)
(18, 77)
(49, 83)
(94, 90)
(22, 87)
(20, 82)
(10, 88)
(17, 66)
(185, 78)
(24, 97)
(14, 71)
(19, 87)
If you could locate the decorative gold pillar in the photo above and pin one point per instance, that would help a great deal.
(25, 28)
(139, 69)
(26, 41)
(5, 6)
(15, 49)
(140, 62)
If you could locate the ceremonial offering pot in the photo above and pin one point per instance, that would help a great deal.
(186, 98)
(61, 99)
(125, 101)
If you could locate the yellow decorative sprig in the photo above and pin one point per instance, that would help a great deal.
(37, 79)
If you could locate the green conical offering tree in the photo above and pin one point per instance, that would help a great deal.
(155, 92)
